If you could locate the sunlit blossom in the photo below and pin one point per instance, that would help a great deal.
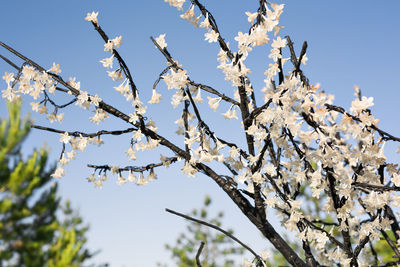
(92, 17)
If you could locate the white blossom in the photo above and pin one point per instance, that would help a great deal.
(214, 102)
(359, 105)
(177, 79)
(107, 62)
(92, 17)
(211, 36)
(65, 138)
(176, 3)
(59, 172)
(161, 41)
(155, 98)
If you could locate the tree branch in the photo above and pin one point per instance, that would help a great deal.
(216, 228)
(121, 62)
(134, 168)
(385, 135)
(78, 134)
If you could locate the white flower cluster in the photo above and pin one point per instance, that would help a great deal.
(77, 144)
(35, 83)
(176, 79)
(92, 17)
(132, 178)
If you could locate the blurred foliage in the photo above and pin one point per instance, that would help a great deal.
(31, 234)
(218, 249)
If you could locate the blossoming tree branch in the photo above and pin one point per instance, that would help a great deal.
(300, 149)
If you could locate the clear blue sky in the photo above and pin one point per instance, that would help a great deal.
(349, 43)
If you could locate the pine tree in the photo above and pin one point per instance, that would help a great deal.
(219, 249)
(30, 232)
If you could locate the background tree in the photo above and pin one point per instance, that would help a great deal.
(31, 233)
(218, 249)
(294, 139)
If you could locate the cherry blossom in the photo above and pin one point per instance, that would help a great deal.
(92, 17)
(161, 41)
(176, 3)
(107, 62)
(211, 36)
(155, 98)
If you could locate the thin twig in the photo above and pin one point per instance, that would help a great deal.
(198, 262)
(135, 168)
(211, 90)
(385, 135)
(121, 61)
(78, 134)
(377, 187)
(47, 98)
(214, 27)
(9, 62)
(302, 53)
